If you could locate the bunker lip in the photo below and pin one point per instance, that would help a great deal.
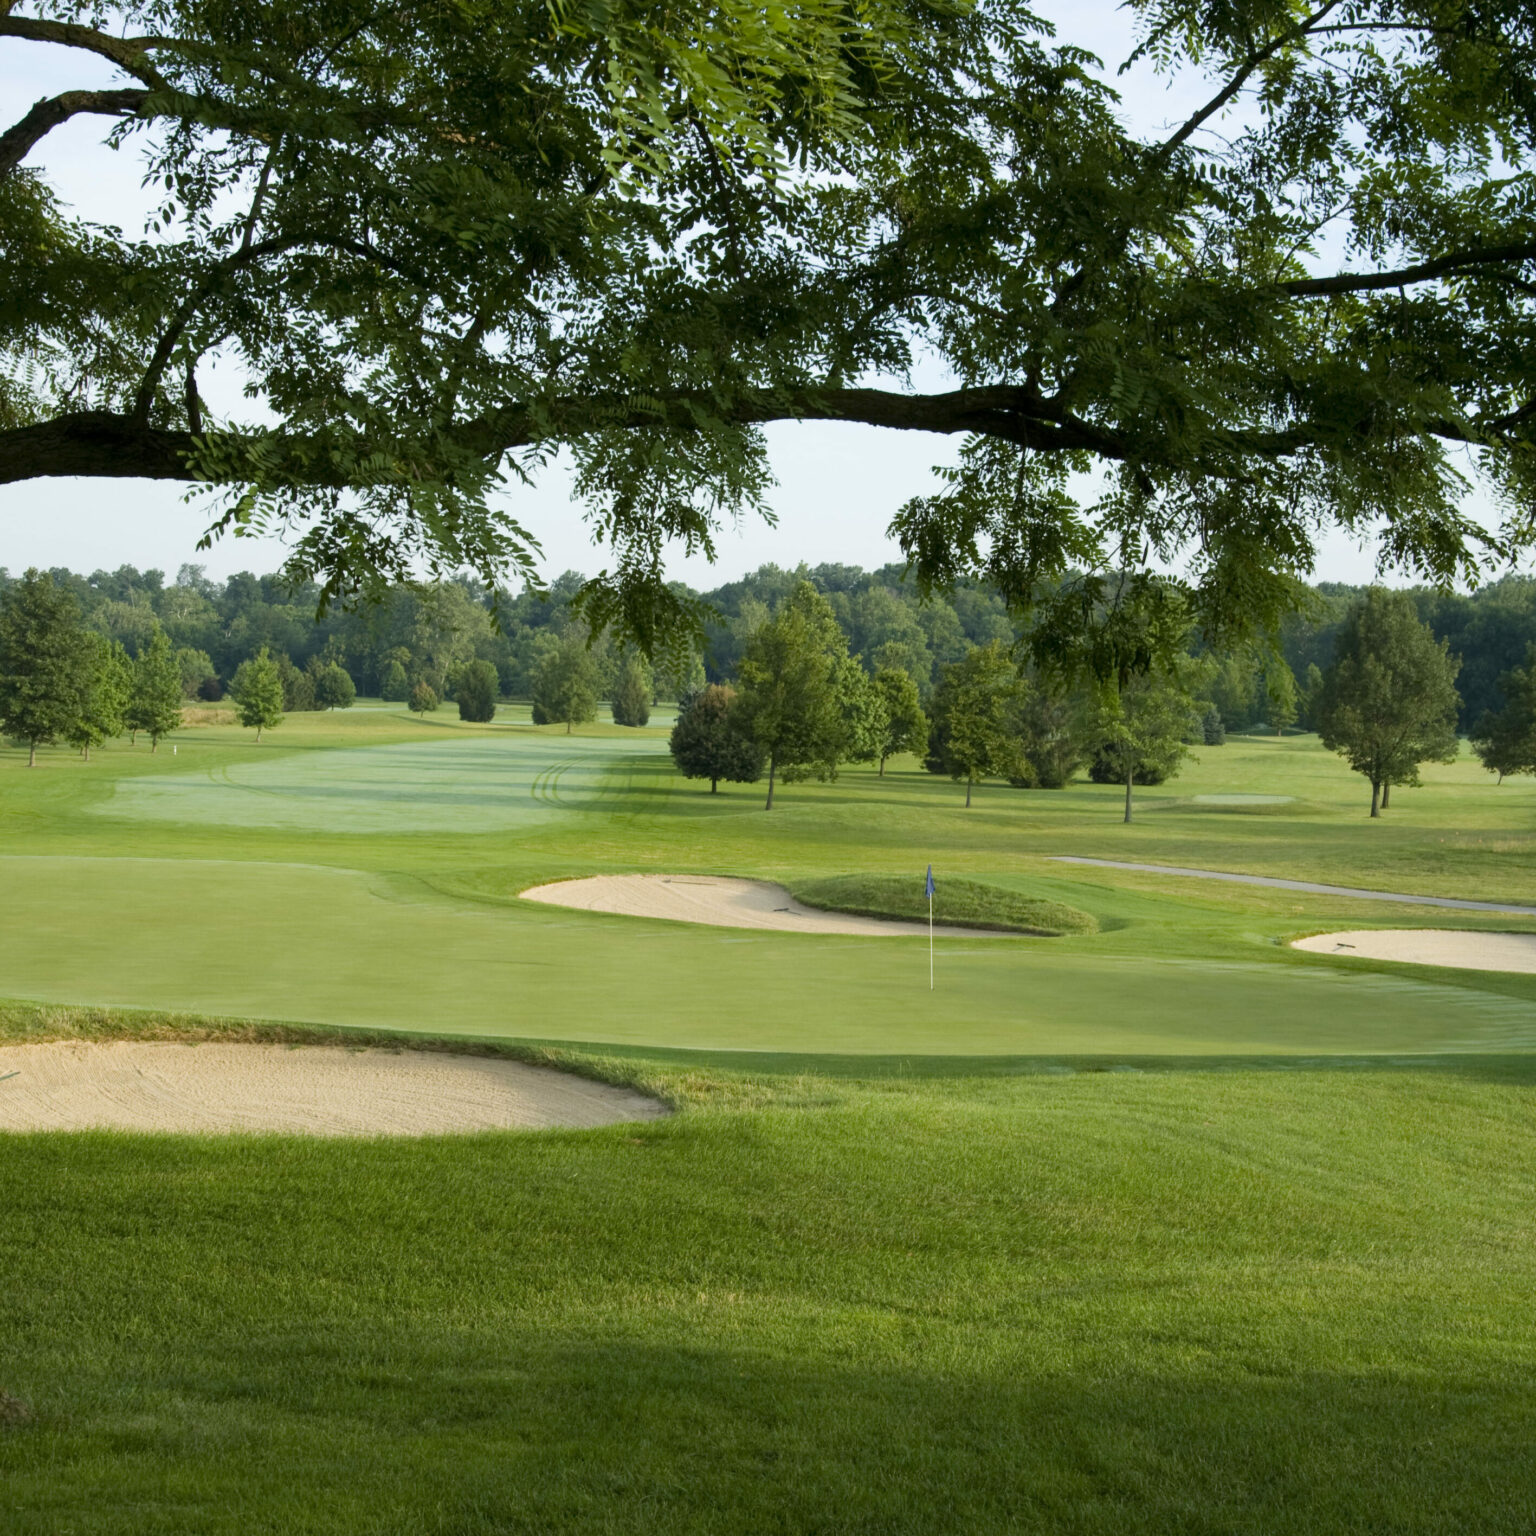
(1456, 948)
(213, 1088)
(725, 901)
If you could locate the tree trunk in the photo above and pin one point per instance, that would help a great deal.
(1130, 779)
(714, 786)
(1375, 798)
(567, 727)
(881, 774)
(32, 755)
(133, 737)
(258, 733)
(773, 764)
(1386, 795)
(154, 745)
(85, 752)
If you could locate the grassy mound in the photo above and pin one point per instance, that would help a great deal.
(958, 903)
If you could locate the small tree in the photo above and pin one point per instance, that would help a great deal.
(44, 662)
(1213, 729)
(1505, 740)
(789, 699)
(1389, 699)
(477, 686)
(632, 692)
(1140, 727)
(298, 683)
(257, 690)
(154, 701)
(423, 699)
(905, 726)
(863, 711)
(707, 741)
(334, 688)
(1279, 695)
(106, 686)
(972, 735)
(394, 687)
(565, 685)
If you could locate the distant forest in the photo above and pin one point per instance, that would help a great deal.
(432, 633)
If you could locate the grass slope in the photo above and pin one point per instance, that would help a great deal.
(958, 903)
(1094, 1302)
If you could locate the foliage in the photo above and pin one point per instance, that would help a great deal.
(257, 690)
(565, 689)
(1389, 699)
(106, 683)
(1140, 729)
(423, 699)
(632, 692)
(789, 697)
(334, 688)
(44, 659)
(195, 668)
(443, 245)
(865, 722)
(394, 687)
(905, 726)
(1280, 701)
(298, 684)
(707, 741)
(956, 902)
(475, 692)
(971, 735)
(154, 703)
(1213, 729)
(1047, 729)
(1505, 742)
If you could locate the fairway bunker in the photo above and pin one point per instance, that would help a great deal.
(1460, 949)
(722, 901)
(141, 1085)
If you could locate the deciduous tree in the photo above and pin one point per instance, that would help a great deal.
(334, 688)
(972, 735)
(1389, 699)
(1140, 729)
(257, 690)
(788, 695)
(44, 661)
(565, 686)
(1505, 739)
(154, 701)
(905, 724)
(707, 741)
(105, 690)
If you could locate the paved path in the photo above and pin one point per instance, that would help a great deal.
(1303, 885)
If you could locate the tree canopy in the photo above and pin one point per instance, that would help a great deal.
(441, 244)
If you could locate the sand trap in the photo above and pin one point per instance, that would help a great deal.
(141, 1085)
(724, 902)
(1431, 946)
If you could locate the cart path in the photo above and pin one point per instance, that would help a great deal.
(1310, 886)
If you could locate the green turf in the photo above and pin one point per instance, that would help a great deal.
(961, 903)
(1165, 1228)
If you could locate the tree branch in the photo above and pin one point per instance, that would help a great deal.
(17, 141)
(128, 53)
(1424, 272)
(1259, 56)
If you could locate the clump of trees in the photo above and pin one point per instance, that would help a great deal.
(565, 688)
(61, 682)
(1388, 701)
(972, 736)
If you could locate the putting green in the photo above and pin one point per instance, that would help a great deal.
(480, 784)
(290, 941)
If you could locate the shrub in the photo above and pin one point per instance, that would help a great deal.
(476, 691)
(423, 699)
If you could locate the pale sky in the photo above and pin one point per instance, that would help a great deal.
(839, 485)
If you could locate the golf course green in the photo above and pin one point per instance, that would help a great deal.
(1165, 1227)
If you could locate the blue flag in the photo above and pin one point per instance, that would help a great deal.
(928, 889)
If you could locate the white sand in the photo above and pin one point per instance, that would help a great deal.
(141, 1085)
(1431, 946)
(724, 902)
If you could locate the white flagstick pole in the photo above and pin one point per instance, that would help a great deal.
(930, 941)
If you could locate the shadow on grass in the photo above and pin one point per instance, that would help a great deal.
(360, 1430)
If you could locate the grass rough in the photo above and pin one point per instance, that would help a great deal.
(956, 903)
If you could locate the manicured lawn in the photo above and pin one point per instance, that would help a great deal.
(1160, 1229)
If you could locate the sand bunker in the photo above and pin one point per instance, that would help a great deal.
(141, 1085)
(1431, 946)
(724, 902)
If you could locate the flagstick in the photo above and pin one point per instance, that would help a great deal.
(930, 942)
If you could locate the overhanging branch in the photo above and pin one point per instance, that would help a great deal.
(1405, 277)
(17, 141)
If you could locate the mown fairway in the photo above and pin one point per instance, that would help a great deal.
(1163, 1229)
